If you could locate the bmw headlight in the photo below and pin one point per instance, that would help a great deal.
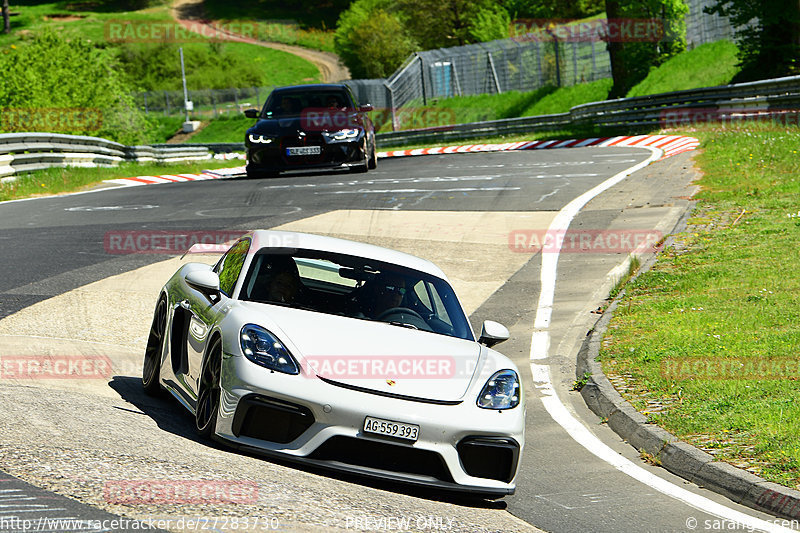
(261, 347)
(343, 135)
(259, 139)
(501, 391)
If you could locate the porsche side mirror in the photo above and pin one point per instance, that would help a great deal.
(205, 281)
(493, 333)
(251, 113)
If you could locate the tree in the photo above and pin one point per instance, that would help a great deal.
(371, 38)
(768, 35)
(632, 59)
(444, 23)
(6, 18)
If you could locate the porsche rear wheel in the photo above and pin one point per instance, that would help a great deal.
(155, 347)
(208, 395)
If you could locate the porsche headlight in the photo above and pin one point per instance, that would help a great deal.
(259, 139)
(501, 391)
(342, 135)
(261, 347)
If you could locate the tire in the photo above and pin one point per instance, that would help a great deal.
(151, 368)
(208, 394)
(372, 164)
(262, 175)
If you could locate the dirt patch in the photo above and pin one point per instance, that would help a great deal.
(330, 66)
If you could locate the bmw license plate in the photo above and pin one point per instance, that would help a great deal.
(390, 428)
(304, 150)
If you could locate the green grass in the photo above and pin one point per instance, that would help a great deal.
(565, 98)
(274, 66)
(707, 65)
(62, 180)
(224, 130)
(727, 291)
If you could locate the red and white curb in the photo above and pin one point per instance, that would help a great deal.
(669, 145)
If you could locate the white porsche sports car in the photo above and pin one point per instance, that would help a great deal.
(343, 355)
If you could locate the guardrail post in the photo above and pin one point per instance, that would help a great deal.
(166, 100)
(390, 98)
(422, 80)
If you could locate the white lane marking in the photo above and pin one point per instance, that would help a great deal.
(111, 208)
(422, 191)
(540, 342)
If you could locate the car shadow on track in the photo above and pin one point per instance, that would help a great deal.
(170, 416)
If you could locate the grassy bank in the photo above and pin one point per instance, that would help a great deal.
(62, 180)
(705, 344)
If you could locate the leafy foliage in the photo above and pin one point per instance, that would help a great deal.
(371, 39)
(631, 61)
(768, 35)
(557, 9)
(443, 23)
(50, 77)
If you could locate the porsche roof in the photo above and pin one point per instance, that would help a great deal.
(308, 241)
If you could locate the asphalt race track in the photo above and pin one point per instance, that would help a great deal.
(69, 289)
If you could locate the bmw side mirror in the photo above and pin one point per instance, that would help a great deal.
(366, 108)
(205, 281)
(251, 113)
(493, 333)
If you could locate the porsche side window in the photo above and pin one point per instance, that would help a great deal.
(230, 266)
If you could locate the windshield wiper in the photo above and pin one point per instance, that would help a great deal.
(403, 325)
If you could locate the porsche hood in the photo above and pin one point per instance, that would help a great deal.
(371, 355)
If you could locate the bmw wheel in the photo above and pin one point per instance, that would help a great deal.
(208, 395)
(155, 347)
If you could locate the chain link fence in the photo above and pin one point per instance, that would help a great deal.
(703, 28)
(206, 102)
(486, 68)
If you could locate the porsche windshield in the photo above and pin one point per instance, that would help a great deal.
(355, 287)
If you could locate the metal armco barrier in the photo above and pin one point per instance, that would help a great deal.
(26, 152)
(767, 99)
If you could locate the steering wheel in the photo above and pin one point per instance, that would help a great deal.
(397, 311)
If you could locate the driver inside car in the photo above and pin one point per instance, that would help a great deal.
(384, 292)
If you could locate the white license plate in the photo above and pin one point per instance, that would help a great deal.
(390, 428)
(304, 150)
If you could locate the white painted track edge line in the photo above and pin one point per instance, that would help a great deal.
(555, 407)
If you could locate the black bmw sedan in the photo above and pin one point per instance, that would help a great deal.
(310, 127)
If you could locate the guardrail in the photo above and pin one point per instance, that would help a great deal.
(775, 98)
(26, 152)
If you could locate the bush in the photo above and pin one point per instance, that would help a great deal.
(371, 39)
(53, 84)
